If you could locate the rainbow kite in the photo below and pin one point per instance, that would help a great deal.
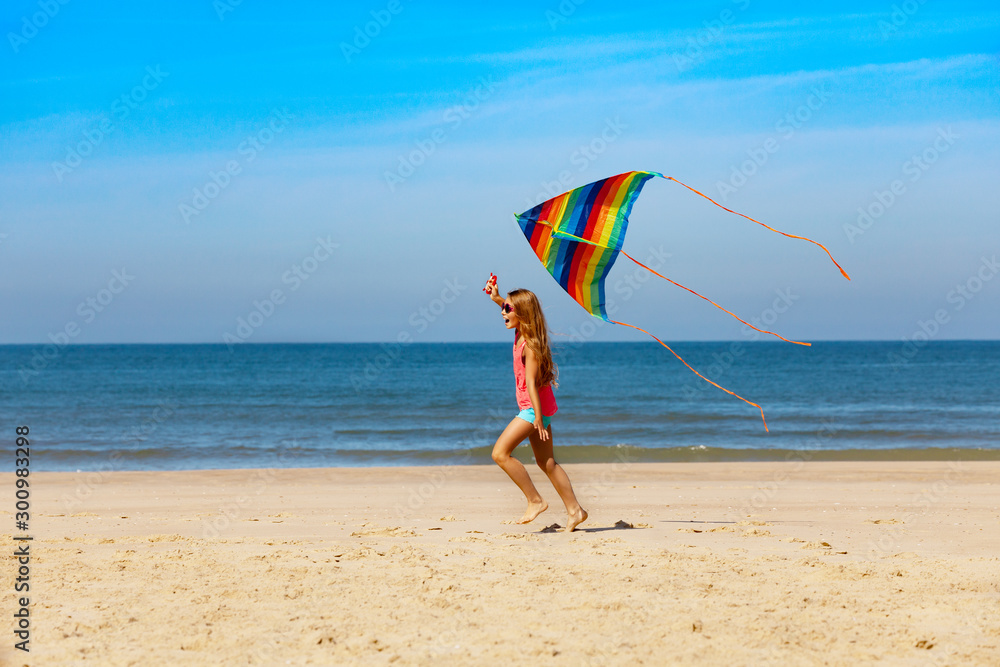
(579, 234)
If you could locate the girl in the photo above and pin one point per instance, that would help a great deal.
(534, 375)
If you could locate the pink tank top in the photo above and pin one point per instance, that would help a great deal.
(545, 395)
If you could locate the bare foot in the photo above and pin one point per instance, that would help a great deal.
(534, 509)
(575, 520)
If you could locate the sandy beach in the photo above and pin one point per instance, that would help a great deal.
(709, 564)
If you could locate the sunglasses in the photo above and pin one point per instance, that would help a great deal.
(507, 308)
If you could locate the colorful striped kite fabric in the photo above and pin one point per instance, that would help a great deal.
(579, 234)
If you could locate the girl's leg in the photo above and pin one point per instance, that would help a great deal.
(559, 479)
(515, 433)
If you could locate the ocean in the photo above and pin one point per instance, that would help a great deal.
(175, 407)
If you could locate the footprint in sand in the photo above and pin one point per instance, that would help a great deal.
(392, 531)
(816, 545)
(165, 538)
(755, 532)
(622, 524)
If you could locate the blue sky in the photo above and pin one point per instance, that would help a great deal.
(229, 159)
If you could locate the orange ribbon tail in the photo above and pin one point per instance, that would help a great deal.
(791, 236)
(696, 372)
(712, 302)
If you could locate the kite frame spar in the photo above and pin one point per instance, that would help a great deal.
(602, 215)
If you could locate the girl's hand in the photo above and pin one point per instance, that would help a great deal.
(542, 431)
(491, 287)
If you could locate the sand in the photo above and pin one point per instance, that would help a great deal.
(725, 564)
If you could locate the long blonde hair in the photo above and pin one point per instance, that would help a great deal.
(533, 328)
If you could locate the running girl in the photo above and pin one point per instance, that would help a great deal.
(534, 375)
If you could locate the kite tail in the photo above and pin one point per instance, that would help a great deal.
(624, 324)
(791, 236)
(712, 302)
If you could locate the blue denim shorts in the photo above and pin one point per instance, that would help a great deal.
(528, 415)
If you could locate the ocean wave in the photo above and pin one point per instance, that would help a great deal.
(306, 457)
